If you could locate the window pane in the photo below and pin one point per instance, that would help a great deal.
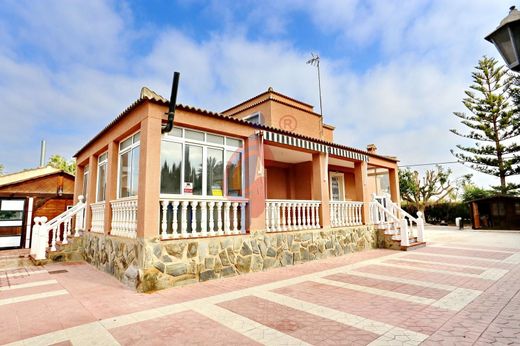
(198, 136)
(234, 173)
(215, 169)
(234, 142)
(136, 137)
(193, 169)
(11, 215)
(135, 171)
(101, 183)
(124, 175)
(177, 132)
(215, 139)
(125, 144)
(171, 161)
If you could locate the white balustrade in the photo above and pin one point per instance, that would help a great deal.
(291, 215)
(346, 213)
(124, 217)
(98, 217)
(56, 230)
(193, 216)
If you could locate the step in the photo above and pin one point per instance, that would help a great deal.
(414, 246)
(392, 231)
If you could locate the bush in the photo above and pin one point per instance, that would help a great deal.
(437, 213)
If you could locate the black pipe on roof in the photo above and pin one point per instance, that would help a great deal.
(173, 101)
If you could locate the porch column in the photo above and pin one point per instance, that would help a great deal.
(393, 177)
(111, 188)
(255, 182)
(91, 188)
(361, 177)
(78, 183)
(320, 186)
(148, 191)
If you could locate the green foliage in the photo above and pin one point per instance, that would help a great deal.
(433, 187)
(509, 189)
(60, 162)
(472, 192)
(1, 169)
(493, 122)
(442, 212)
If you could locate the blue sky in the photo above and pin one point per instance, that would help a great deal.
(393, 71)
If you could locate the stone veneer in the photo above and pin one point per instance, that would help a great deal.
(152, 264)
(178, 262)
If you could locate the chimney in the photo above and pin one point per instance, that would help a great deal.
(371, 148)
(42, 154)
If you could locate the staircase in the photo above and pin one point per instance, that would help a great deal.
(401, 230)
(48, 236)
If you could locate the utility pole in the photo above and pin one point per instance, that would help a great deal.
(315, 61)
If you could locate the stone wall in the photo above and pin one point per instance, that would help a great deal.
(180, 262)
(120, 257)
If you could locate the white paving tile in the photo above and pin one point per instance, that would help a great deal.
(457, 299)
(29, 297)
(376, 291)
(447, 264)
(493, 274)
(476, 248)
(513, 259)
(29, 284)
(399, 336)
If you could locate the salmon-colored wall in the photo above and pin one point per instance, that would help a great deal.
(277, 183)
(301, 181)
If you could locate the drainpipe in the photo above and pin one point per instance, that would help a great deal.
(173, 100)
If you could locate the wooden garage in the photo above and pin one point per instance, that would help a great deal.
(496, 212)
(44, 191)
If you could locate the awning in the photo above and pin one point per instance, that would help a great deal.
(311, 145)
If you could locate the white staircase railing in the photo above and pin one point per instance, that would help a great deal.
(45, 232)
(388, 214)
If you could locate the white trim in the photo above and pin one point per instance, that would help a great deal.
(13, 241)
(101, 163)
(28, 223)
(124, 151)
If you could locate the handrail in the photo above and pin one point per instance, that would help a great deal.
(40, 233)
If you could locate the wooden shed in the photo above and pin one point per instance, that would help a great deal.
(496, 212)
(44, 191)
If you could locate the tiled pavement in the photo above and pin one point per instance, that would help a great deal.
(451, 292)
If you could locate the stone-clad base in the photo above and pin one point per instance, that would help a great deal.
(118, 256)
(179, 262)
(152, 264)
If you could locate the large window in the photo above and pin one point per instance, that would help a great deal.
(85, 181)
(128, 166)
(102, 177)
(199, 163)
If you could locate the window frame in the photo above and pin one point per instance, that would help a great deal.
(255, 114)
(121, 152)
(205, 146)
(86, 173)
(103, 162)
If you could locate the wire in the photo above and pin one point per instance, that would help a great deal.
(432, 163)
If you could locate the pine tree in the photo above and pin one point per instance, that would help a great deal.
(494, 123)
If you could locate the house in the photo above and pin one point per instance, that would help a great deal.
(495, 212)
(259, 185)
(40, 192)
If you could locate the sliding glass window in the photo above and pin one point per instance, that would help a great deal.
(128, 166)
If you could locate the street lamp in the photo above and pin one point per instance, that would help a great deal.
(506, 39)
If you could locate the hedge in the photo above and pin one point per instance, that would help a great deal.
(442, 212)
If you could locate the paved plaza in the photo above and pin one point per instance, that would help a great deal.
(463, 288)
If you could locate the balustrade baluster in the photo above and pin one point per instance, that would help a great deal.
(219, 218)
(226, 218)
(211, 218)
(318, 215)
(235, 217)
(184, 219)
(53, 239)
(203, 219)
(243, 217)
(175, 205)
(164, 214)
(194, 218)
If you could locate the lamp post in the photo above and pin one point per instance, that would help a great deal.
(506, 39)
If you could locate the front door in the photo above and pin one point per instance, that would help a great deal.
(11, 222)
(337, 186)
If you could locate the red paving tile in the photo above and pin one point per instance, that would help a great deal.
(184, 328)
(29, 290)
(440, 278)
(417, 317)
(301, 325)
(436, 266)
(420, 291)
(482, 247)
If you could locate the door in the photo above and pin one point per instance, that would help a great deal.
(337, 186)
(11, 222)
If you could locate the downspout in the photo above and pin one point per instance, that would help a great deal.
(173, 100)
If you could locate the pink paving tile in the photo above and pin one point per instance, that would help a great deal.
(420, 291)
(438, 266)
(417, 317)
(460, 260)
(9, 328)
(464, 253)
(481, 247)
(184, 328)
(440, 278)
(301, 325)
